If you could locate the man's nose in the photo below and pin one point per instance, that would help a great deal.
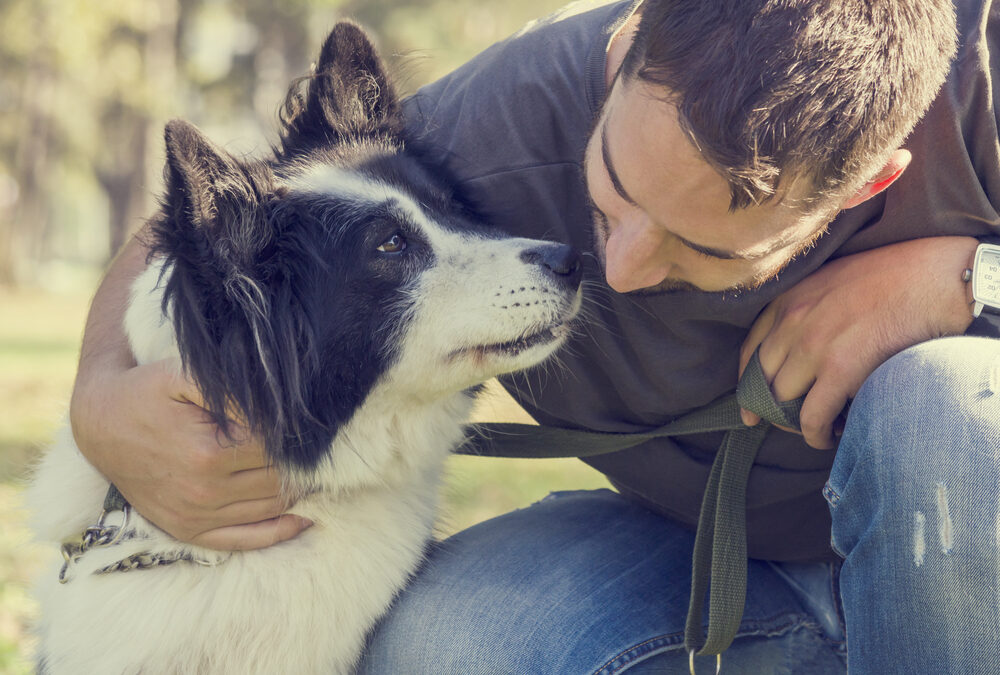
(636, 256)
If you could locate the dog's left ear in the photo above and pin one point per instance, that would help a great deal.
(348, 96)
(199, 175)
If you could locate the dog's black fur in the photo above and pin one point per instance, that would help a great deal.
(252, 265)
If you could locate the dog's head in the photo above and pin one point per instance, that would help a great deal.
(299, 285)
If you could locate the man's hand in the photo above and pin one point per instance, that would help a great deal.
(823, 337)
(143, 429)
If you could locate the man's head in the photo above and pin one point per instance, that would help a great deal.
(733, 132)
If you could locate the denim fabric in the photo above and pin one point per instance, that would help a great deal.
(588, 582)
(582, 582)
(915, 499)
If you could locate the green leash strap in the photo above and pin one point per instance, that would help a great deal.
(719, 562)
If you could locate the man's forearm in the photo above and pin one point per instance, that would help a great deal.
(105, 347)
(105, 344)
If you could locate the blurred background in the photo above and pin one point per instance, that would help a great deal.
(85, 89)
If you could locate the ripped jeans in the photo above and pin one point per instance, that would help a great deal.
(915, 497)
(587, 582)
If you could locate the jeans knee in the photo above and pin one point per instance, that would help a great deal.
(929, 412)
(928, 397)
(939, 377)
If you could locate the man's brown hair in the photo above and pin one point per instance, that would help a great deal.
(772, 90)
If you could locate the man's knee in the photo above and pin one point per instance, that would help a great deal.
(923, 436)
(933, 405)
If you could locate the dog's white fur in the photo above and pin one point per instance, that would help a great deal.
(305, 605)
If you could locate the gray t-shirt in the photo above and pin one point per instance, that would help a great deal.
(512, 126)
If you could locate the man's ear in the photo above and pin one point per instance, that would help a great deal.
(892, 170)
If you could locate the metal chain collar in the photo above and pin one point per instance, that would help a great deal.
(101, 535)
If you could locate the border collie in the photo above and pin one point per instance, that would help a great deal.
(340, 300)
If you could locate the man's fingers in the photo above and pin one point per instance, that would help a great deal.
(190, 523)
(247, 512)
(820, 417)
(758, 332)
(793, 379)
(254, 535)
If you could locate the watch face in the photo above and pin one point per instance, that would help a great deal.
(986, 278)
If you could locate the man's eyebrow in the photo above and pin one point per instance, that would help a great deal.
(620, 189)
(719, 253)
(609, 167)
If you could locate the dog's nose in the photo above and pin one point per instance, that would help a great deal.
(560, 261)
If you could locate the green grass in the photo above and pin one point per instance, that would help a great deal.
(39, 336)
(39, 341)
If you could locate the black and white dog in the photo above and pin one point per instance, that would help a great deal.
(338, 298)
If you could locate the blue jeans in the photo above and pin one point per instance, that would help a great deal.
(588, 582)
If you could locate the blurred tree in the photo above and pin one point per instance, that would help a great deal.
(86, 86)
(25, 138)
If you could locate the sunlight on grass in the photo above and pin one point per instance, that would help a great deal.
(39, 342)
(19, 561)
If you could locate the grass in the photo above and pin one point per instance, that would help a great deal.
(39, 336)
(39, 341)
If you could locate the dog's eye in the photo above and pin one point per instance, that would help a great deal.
(394, 244)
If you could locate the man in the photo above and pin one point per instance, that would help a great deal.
(717, 140)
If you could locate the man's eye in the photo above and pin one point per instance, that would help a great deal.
(394, 244)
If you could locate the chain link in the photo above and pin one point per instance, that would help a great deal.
(95, 536)
(101, 535)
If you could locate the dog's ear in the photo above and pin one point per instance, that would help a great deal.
(215, 204)
(349, 95)
(228, 274)
(201, 178)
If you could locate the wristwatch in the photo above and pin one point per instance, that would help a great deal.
(985, 279)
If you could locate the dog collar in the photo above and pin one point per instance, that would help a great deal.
(104, 534)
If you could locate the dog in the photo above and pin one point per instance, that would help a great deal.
(343, 303)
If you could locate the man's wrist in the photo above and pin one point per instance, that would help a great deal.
(950, 256)
(987, 324)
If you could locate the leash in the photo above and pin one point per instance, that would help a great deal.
(719, 562)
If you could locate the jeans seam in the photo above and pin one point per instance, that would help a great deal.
(831, 495)
(790, 622)
(835, 548)
(838, 606)
(665, 640)
(832, 498)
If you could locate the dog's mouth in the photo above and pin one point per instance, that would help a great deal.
(522, 344)
(515, 347)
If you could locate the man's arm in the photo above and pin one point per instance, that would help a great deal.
(826, 335)
(143, 428)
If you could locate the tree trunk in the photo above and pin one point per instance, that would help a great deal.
(29, 221)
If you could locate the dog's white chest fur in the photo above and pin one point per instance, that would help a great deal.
(302, 606)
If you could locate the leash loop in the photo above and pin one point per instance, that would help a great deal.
(718, 663)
